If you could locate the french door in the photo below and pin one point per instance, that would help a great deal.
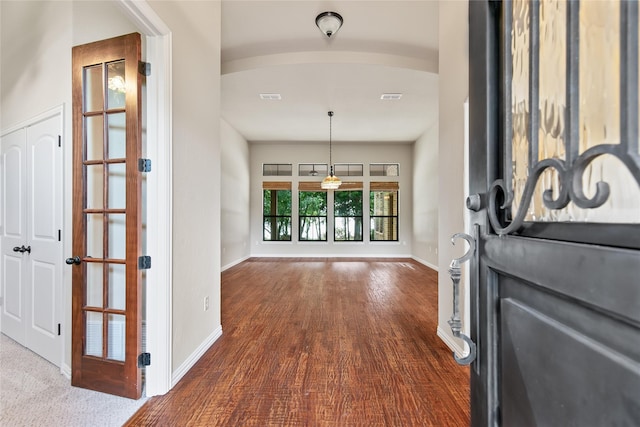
(555, 200)
(107, 216)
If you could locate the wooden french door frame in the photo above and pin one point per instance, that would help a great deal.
(120, 375)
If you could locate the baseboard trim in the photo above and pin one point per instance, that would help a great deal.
(65, 370)
(234, 263)
(427, 263)
(451, 342)
(325, 256)
(195, 356)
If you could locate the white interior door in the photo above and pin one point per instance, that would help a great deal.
(32, 280)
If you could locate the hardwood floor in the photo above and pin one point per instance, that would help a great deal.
(322, 342)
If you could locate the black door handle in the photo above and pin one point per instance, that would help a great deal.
(17, 249)
(74, 260)
(22, 249)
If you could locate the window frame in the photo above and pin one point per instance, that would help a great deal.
(274, 188)
(349, 187)
(384, 187)
(313, 187)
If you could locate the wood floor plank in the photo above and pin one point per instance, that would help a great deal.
(322, 342)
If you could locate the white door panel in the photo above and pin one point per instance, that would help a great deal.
(42, 152)
(13, 267)
(14, 167)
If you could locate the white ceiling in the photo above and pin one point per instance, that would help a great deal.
(382, 47)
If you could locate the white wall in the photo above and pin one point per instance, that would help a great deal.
(454, 90)
(234, 201)
(36, 59)
(425, 197)
(342, 153)
(195, 28)
(98, 20)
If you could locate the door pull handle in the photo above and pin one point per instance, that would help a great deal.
(17, 249)
(455, 323)
(74, 260)
(22, 249)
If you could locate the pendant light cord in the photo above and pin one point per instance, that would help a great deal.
(330, 131)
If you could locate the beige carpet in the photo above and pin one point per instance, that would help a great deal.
(33, 392)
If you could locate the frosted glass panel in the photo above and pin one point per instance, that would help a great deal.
(93, 90)
(117, 185)
(93, 331)
(598, 110)
(94, 281)
(117, 236)
(117, 334)
(117, 289)
(117, 136)
(95, 137)
(95, 186)
(95, 233)
(116, 85)
(600, 114)
(520, 97)
(552, 103)
(599, 73)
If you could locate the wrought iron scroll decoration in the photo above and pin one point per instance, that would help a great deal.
(570, 171)
(571, 185)
(455, 323)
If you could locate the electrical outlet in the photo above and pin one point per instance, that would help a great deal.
(206, 303)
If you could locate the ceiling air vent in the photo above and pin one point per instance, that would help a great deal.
(271, 96)
(390, 96)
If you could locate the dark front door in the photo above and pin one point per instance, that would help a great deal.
(555, 161)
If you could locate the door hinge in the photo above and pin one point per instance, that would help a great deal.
(59, 235)
(59, 140)
(144, 262)
(59, 329)
(144, 359)
(144, 165)
(144, 68)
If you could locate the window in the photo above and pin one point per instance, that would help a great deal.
(312, 212)
(276, 212)
(347, 211)
(348, 169)
(312, 169)
(383, 210)
(277, 169)
(384, 169)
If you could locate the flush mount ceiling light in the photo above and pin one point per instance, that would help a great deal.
(331, 182)
(329, 23)
(390, 96)
(270, 96)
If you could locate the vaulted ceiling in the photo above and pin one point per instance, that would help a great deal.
(382, 47)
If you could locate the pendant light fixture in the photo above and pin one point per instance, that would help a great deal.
(331, 182)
